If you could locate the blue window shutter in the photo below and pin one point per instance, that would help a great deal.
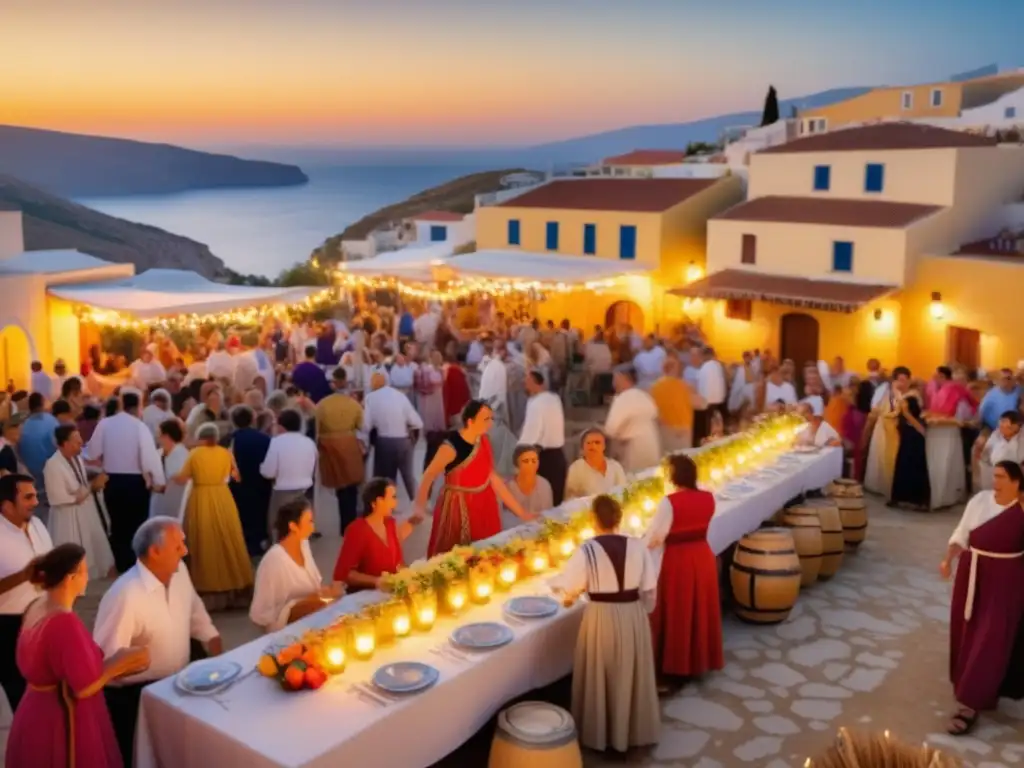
(438, 234)
(874, 177)
(1010, 112)
(822, 178)
(590, 239)
(842, 256)
(627, 241)
(552, 236)
(513, 231)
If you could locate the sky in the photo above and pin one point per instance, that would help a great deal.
(467, 73)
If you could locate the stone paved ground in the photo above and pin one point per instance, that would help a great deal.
(865, 650)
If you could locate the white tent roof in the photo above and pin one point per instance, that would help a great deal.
(158, 292)
(50, 262)
(412, 263)
(541, 267)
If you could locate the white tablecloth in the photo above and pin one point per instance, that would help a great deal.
(255, 724)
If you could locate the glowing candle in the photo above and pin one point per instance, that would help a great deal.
(424, 609)
(456, 596)
(400, 620)
(540, 562)
(567, 546)
(586, 533)
(481, 586)
(648, 505)
(507, 574)
(365, 643)
(716, 475)
(635, 522)
(334, 659)
(426, 617)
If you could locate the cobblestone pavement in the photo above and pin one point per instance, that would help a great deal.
(866, 650)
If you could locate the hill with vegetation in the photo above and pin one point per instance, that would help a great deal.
(457, 195)
(52, 222)
(76, 165)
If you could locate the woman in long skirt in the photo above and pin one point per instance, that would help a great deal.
(614, 691)
(911, 484)
(686, 624)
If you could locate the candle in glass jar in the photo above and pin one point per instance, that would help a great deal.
(508, 573)
(567, 546)
(539, 562)
(635, 522)
(334, 659)
(455, 596)
(400, 621)
(586, 533)
(426, 616)
(364, 644)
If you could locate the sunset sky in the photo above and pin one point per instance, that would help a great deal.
(460, 72)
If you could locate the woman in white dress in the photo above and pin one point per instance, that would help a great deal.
(817, 433)
(614, 690)
(170, 500)
(531, 490)
(74, 516)
(633, 423)
(593, 473)
(288, 582)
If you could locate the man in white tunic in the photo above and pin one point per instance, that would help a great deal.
(648, 363)
(147, 370)
(633, 423)
(74, 516)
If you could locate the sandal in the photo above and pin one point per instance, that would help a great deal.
(962, 723)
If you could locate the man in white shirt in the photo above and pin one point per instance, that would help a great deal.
(153, 605)
(648, 363)
(291, 463)
(390, 414)
(425, 327)
(147, 370)
(711, 387)
(691, 371)
(220, 364)
(40, 381)
(633, 423)
(544, 427)
(127, 451)
(246, 370)
(494, 381)
(23, 538)
(158, 411)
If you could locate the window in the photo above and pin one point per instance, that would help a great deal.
(842, 256)
(822, 178)
(513, 231)
(627, 241)
(438, 233)
(936, 97)
(1010, 112)
(748, 252)
(907, 100)
(815, 125)
(590, 239)
(874, 177)
(551, 236)
(739, 309)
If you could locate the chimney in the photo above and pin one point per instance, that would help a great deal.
(12, 236)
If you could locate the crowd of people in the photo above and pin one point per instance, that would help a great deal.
(222, 447)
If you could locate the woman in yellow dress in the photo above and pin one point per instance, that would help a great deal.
(219, 564)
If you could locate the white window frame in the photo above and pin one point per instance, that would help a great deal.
(907, 100)
(822, 124)
(936, 92)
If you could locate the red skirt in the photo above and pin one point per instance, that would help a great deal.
(686, 625)
(462, 517)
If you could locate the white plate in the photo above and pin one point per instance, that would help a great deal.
(208, 676)
(532, 606)
(483, 635)
(405, 677)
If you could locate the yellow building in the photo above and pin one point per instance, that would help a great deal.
(908, 102)
(659, 224)
(845, 242)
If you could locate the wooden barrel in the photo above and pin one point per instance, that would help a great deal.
(832, 542)
(535, 734)
(805, 526)
(765, 576)
(854, 514)
(844, 488)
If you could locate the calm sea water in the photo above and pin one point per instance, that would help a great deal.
(262, 231)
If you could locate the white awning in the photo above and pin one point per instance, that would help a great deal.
(541, 267)
(414, 262)
(164, 292)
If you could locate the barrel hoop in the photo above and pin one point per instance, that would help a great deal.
(832, 553)
(752, 551)
(855, 527)
(765, 572)
(765, 610)
(812, 557)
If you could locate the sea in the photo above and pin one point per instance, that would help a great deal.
(262, 231)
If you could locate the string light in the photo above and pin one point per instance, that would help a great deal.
(247, 317)
(466, 287)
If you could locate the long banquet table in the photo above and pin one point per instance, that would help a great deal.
(257, 725)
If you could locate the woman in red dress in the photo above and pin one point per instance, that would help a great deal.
(372, 545)
(63, 718)
(467, 509)
(455, 391)
(686, 625)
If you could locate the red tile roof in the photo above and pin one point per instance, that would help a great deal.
(882, 136)
(646, 195)
(438, 216)
(799, 291)
(647, 157)
(823, 210)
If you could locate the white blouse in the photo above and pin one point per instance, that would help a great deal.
(979, 510)
(639, 572)
(998, 448)
(775, 392)
(584, 480)
(280, 584)
(820, 438)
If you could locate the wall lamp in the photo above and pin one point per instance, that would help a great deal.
(937, 309)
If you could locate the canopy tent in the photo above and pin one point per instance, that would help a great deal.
(415, 263)
(528, 266)
(164, 292)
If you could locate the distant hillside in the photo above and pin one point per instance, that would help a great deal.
(673, 135)
(53, 222)
(457, 195)
(74, 165)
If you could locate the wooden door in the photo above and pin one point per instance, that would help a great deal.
(623, 312)
(798, 340)
(963, 347)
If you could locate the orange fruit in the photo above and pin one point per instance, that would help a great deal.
(310, 657)
(288, 654)
(295, 675)
(315, 677)
(267, 666)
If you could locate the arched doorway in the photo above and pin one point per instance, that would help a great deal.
(798, 341)
(16, 355)
(623, 313)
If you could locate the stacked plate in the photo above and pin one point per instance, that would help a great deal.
(205, 678)
(482, 636)
(405, 677)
